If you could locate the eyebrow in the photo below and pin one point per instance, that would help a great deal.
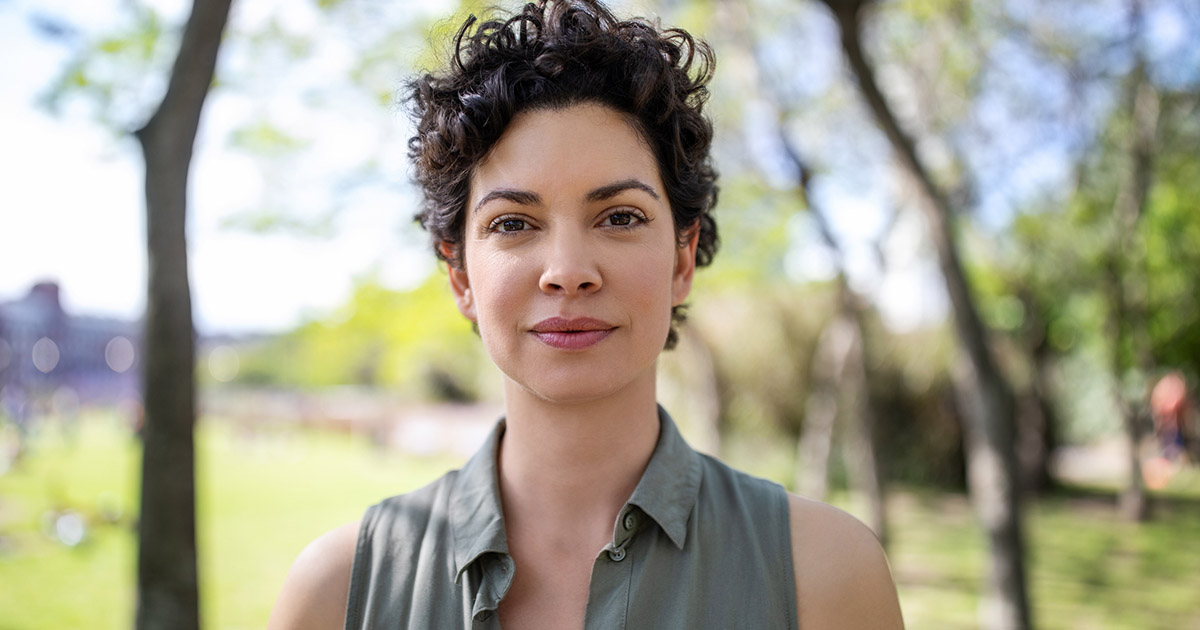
(616, 188)
(519, 197)
(527, 198)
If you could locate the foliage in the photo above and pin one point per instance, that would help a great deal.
(119, 75)
(1020, 109)
(1064, 253)
(296, 85)
(413, 341)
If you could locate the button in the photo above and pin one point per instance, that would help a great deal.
(631, 521)
(616, 555)
(484, 615)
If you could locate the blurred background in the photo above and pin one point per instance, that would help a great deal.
(954, 233)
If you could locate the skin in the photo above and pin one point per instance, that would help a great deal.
(555, 231)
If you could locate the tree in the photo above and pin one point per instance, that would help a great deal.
(984, 393)
(168, 595)
(843, 349)
(1102, 262)
(1126, 320)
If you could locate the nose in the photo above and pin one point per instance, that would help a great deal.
(570, 266)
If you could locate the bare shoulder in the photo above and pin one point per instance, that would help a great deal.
(317, 586)
(842, 577)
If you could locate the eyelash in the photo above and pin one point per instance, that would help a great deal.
(637, 218)
(496, 223)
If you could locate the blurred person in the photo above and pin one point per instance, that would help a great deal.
(564, 158)
(1169, 405)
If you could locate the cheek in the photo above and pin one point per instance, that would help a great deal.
(650, 278)
(498, 288)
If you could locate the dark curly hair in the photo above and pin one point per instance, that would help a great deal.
(552, 55)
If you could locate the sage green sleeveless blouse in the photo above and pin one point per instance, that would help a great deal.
(698, 545)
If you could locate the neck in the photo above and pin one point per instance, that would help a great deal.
(575, 463)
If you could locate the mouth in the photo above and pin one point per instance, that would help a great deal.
(572, 334)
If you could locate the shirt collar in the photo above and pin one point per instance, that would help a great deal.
(666, 492)
(668, 489)
(476, 518)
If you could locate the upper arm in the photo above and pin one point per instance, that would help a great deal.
(842, 576)
(317, 586)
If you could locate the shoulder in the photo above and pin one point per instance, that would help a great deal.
(316, 588)
(734, 498)
(721, 479)
(842, 576)
(348, 561)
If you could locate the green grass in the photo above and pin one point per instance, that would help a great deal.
(263, 497)
(260, 499)
(1087, 568)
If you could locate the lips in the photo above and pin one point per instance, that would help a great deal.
(572, 334)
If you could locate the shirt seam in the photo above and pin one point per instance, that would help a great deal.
(355, 607)
(789, 564)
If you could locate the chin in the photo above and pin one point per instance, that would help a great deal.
(571, 387)
(569, 393)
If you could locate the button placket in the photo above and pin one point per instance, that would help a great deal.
(629, 525)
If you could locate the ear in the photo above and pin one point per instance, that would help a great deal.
(460, 284)
(685, 263)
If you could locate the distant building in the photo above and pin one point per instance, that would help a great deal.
(50, 357)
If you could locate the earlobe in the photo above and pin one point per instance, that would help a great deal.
(460, 285)
(685, 263)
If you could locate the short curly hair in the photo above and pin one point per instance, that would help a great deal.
(551, 55)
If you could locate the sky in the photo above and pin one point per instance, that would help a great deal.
(72, 208)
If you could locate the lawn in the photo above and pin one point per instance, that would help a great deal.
(260, 498)
(263, 496)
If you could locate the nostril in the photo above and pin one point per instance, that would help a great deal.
(571, 279)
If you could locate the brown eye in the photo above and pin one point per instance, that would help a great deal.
(620, 218)
(512, 225)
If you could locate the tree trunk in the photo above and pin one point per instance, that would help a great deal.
(838, 378)
(841, 354)
(1127, 327)
(1037, 432)
(986, 397)
(168, 595)
(860, 415)
(821, 409)
(1037, 427)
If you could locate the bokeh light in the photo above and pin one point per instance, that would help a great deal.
(119, 354)
(70, 528)
(45, 355)
(224, 364)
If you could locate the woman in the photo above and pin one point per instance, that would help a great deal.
(564, 160)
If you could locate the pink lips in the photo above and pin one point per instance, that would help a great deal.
(572, 334)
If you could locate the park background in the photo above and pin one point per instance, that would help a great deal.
(1045, 156)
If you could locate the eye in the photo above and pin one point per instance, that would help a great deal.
(507, 224)
(623, 218)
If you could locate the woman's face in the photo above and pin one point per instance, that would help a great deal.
(570, 259)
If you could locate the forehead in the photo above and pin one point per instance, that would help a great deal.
(566, 151)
